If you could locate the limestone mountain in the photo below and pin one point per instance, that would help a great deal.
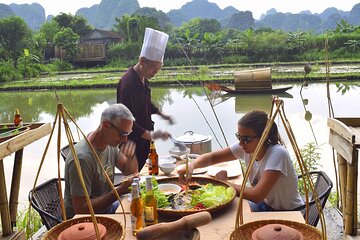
(33, 14)
(5, 11)
(102, 16)
(162, 18)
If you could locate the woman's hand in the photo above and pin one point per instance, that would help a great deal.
(222, 175)
(183, 177)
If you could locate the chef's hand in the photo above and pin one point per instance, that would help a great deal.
(169, 119)
(183, 178)
(222, 175)
(160, 134)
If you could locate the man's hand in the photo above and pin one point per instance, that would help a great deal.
(124, 186)
(160, 134)
(128, 149)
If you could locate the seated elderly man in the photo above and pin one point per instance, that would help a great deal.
(115, 126)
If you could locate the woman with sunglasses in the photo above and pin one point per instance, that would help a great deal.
(274, 183)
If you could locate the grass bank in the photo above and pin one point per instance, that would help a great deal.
(108, 78)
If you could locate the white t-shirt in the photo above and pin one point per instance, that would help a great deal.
(284, 195)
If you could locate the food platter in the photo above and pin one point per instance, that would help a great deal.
(198, 180)
(7, 133)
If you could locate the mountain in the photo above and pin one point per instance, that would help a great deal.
(291, 22)
(354, 15)
(201, 9)
(331, 11)
(33, 14)
(102, 16)
(162, 18)
(5, 11)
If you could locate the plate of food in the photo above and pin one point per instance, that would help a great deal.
(204, 194)
(232, 168)
(9, 132)
(197, 170)
(191, 157)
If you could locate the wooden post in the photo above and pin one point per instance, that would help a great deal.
(15, 186)
(342, 175)
(4, 207)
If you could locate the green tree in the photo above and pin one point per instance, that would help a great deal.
(15, 35)
(66, 39)
(78, 24)
(132, 28)
(201, 26)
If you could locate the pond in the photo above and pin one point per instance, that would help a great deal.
(183, 104)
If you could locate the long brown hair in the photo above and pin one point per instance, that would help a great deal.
(257, 120)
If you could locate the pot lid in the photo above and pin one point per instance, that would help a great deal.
(191, 137)
(276, 231)
(82, 231)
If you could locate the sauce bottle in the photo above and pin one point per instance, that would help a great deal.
(136, 209)
(153, 156)
(150, 204)
(18, 122)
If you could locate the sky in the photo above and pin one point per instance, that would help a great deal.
(257, 7)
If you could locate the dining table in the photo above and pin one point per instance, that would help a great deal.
(223, 221)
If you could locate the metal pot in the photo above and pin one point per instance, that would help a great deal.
(197, 143)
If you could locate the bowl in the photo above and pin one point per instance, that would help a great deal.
(167, 167)
(176, 152)
(169, 188)
(167, 159)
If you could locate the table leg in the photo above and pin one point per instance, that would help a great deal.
(4, 205)
(15, 186)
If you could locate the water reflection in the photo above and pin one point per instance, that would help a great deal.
(87, 105)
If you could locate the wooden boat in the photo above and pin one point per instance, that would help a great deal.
(218, 87)
(250, 82)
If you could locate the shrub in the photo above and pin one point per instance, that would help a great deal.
(8, 72)
(59, 65)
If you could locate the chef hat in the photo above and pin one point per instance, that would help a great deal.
(154, 45)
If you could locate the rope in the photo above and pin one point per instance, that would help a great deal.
(208, 98)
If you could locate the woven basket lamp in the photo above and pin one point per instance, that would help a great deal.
(254, 230)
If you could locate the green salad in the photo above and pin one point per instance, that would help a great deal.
(206, 196)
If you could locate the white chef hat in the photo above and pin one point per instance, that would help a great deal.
(154, 45)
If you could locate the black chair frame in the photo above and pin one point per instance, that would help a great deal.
(45, 199)
(323, 186)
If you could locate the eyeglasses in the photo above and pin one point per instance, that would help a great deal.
(121, 133)
(244, 139)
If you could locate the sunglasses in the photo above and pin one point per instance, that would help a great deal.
(244, 139)
(121, 133)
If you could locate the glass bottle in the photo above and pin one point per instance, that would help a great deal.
(18, 122)
(150, 204)
(153, 156)
(136, 209)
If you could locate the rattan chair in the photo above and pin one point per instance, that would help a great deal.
(45, 199)
(323, 186)
(118, 177)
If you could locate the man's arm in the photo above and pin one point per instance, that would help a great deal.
(99, 203)
(127, 162)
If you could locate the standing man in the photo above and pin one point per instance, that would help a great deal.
(115, 126)
(134, 92)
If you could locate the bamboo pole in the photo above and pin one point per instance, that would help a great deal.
(355, 177)
(15, 186)
(350, 197)
(342, 163)
(4, 207)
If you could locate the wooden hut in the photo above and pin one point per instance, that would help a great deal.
(93, 46)
(255, 79)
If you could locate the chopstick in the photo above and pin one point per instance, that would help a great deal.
(133, 175)
(187, 172)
